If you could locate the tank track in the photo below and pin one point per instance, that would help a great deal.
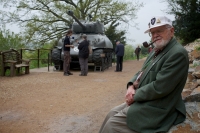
(104, 62)
(97, 57)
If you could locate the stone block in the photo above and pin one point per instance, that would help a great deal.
(197, 68)
(198, 81)
(190, 77)
(196, 74)
(185, 93)
(196, 91)
(195, 54)
(191, 124)
(191, 85)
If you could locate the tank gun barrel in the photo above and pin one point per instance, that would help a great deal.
(70, 13)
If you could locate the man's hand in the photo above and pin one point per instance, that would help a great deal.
(130, 95)
(72, 46)
(135, 84)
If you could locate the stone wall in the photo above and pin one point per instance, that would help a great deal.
(191, 93)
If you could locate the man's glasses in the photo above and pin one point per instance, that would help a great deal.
(158, 32)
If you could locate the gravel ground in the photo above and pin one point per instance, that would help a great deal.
(48, 102)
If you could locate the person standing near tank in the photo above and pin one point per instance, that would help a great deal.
(83, 55)
(137, 52)
(119, 51)
(67, 57)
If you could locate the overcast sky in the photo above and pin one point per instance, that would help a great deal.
(151, 8)
(136, 36)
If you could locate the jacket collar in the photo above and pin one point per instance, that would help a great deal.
(171, 43)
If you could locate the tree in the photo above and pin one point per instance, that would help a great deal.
(187, 23)
(44, 20)
(144, 50)
(113, 34)
(129, 52)
(10, 40)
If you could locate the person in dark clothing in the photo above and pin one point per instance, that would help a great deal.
(137, 52)
(119, 51)
(83, 55)
(67, 58)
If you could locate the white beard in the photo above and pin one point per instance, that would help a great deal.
(161, 44)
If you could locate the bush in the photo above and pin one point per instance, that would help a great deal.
(129, 53)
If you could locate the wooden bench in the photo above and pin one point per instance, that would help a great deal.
(11, 59)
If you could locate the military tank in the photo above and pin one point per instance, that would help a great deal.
(102, 48)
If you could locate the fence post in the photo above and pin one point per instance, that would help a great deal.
(48, 62)
(21, 53)
(38, 58)
(51, 56)
(1, 71)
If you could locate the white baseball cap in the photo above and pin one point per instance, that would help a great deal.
(158, 21)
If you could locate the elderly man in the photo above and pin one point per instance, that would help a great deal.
(153, 99)
(83, 55)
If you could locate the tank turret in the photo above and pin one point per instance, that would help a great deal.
(101, 45)
(85, 26)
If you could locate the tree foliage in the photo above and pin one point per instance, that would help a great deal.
(10, 40)
(129, 52)
(44, 20)
(144, 50)
(187, 22)
(113, 34)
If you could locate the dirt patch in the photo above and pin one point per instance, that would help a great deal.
(48, 102)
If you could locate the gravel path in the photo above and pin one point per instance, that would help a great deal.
(48, 102)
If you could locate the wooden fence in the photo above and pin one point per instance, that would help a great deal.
(38, 55)
(38, 58)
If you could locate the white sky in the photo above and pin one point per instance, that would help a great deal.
(136, 36)
(151, 8)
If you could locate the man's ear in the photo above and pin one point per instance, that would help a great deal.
(172, 31)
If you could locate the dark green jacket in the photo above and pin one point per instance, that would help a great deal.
(158, 103)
